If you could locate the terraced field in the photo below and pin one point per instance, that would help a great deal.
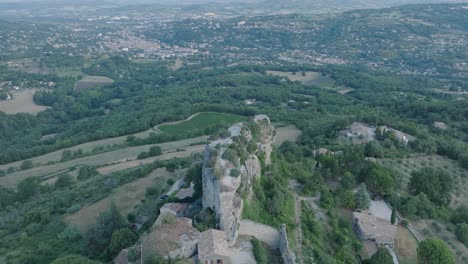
(200, 122)
(404, 167)
(102, 159)
(89, 82)
(125, 198)
(432, 228)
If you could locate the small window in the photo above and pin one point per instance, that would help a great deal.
(220, 261)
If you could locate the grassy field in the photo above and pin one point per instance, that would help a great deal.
(102, 159)
(406, 246)
(22, 102)
(200, 122)
(312, 78)
(125, 198)
(404, 167)
(289, 132)
(89, 82)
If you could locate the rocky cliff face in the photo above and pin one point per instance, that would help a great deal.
(229, 162)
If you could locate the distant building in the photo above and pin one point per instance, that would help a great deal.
(213, 247)
(369, 227)
(359, 133)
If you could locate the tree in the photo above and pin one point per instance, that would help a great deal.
(171, 167)
(100, 236)
(436, 184)
(362, 197)
(348, 181)
(155, 151)
(393, 216)
(27, 164)
(379, 179)
(382, 256)
(64, 180)
(462, 233)
(122, 238)
(349, 199)
(373, 149)
(434, 251)
(86, 172)
(74, 259)
(28, 187)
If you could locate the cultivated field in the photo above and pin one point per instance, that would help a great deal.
(200, 122)
(125, 198)
(34, 66)
(427, 228)
(89, 82)
(290, 133)
(312, 78)
(187, 151)
(432, 228)
(22, 102)
(102, 159)
(404, 167)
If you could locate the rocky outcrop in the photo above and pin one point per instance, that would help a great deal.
(227, 163)
(176, 238)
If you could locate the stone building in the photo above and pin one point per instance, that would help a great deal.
(213, 247)
(369, 227)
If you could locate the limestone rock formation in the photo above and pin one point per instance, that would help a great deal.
(230, 161)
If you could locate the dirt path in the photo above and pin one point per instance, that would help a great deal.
(156, 128)
(262, 232)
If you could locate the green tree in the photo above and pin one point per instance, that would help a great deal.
(86, 172)
(100, 236)
(362, 197)
(393, 216)
(155, 151)
(382, 256)
(348, 181)
(462, 233)
(63, 180)
(434, 251)
(74, 259)
(122, 238)
(349, 199)
(27, 164)
(28, 187)
(436, 184)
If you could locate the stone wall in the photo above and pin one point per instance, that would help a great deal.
(288, 256)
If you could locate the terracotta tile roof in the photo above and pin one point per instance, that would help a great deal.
(379, 228)
(212, 242)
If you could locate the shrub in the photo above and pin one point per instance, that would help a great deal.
(70, 233)
(121, 239)
(63, 180)
(235, 173)
(259, 251)
(232, 156)
(27, 164)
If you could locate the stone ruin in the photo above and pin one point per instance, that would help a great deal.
(224, 176)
